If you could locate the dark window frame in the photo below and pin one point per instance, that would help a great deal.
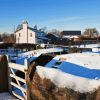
(19, 34)
(30, 34)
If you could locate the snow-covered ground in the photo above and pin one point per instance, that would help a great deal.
(87, 46)
(6, 96)
(77, 71)
(38, 52)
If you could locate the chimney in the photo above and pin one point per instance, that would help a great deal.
(25, 29)
(25, 25)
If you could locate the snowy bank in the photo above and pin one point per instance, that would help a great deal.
(41, 51)
(65, 80)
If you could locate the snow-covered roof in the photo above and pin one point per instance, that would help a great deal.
(64, 36)
(20, 27)
(43, 38)
(74, 37)
(68, 36)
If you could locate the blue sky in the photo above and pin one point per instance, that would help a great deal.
(54, 14)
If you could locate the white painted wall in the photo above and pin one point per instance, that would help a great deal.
(25, 36)
(31, 39)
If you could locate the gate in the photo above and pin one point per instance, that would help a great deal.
(17, 80)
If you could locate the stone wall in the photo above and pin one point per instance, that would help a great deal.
(44, 89)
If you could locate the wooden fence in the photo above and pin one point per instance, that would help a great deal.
(16, 82)
(11, 52)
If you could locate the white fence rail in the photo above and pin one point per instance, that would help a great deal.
(16, 82)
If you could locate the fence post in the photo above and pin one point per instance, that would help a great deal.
(26, 64)
(3, 74)
(9, 78)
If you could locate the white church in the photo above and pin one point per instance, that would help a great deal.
(26, 34)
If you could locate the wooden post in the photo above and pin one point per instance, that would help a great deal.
(3, 74)
(9, 78)
(26, 64)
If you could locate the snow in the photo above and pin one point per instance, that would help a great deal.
(31, 55)
(65, 80)
(64, 36)
(51, 50)
(87, 46)
(88, 60)
(43, 38)
(1, 42)
(77, 71)
(96, 49)
(38, 52)
(6, 96)
(86, 65)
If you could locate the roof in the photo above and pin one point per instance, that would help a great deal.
(32, 29)
(20, 27)
(73, 36)
(44, 38)
(71, 32)
(51, 34)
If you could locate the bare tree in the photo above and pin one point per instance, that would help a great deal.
(8, 38)
(44, 29)
(91, 32)
(55, 31)
(0, 38)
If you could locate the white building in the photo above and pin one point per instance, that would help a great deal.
(25, 34)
